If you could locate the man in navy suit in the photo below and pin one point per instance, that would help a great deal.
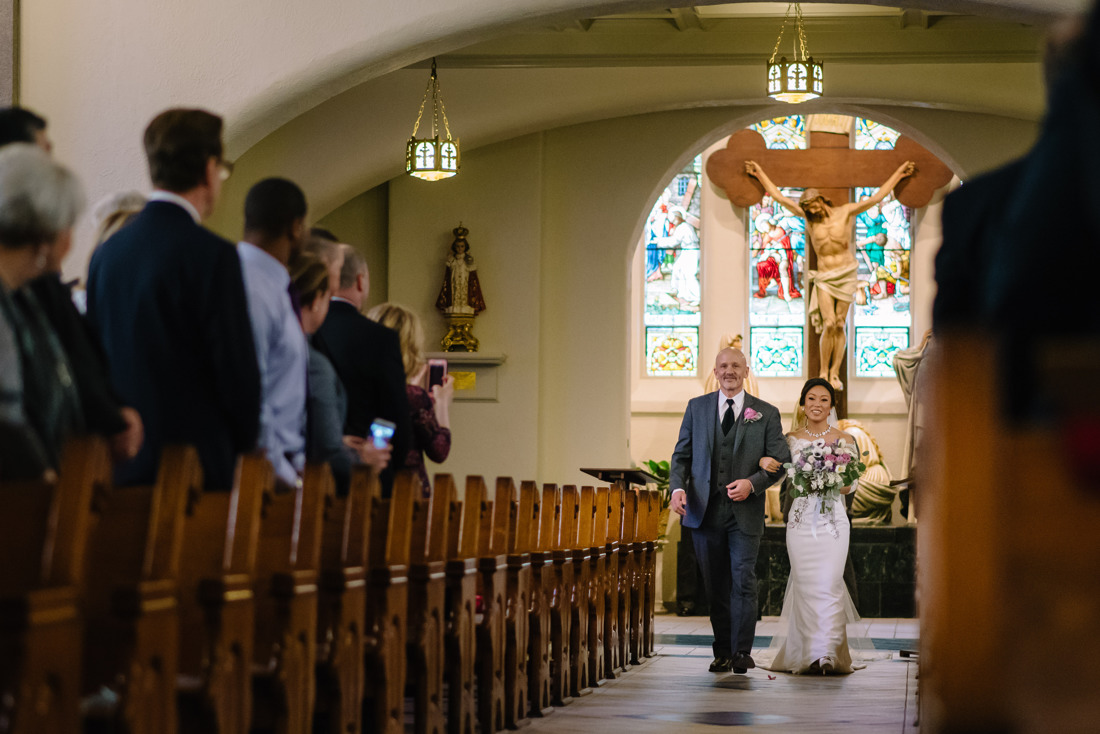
(167, 298)
(367, 358)
(718, 490)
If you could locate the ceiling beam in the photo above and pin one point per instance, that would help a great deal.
(686, 19)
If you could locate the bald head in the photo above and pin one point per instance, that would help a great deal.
(730, 369)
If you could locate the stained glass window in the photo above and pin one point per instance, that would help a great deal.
(875, 348)
(881, 310)
(777, 309)
(871, 135)
(783, 133)
(672, 289)
(776, 351)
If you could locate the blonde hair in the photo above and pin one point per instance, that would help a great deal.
(409, 331)
(115, 211)
(309, 274)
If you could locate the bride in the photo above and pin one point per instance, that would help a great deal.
(816, 607)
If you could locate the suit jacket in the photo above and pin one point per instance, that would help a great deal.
(690, 468)
(367, 358)
(326, 409)
(970, 252)
(167, 299)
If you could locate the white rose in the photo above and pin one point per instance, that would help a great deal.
(791, 472)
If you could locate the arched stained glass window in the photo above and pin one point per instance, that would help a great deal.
(672, 289)
(881, 317)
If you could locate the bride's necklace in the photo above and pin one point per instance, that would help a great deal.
(816, 435)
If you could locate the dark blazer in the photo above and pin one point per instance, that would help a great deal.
(691, 460)
(326, 411)
(970, 252)
(86, 358)
(367, 358)
(168, 302)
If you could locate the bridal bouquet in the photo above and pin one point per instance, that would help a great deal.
(822, 469)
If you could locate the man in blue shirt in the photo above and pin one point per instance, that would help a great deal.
(274, 230)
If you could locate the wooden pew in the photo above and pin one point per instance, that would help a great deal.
(42, 542)
(463, 549)
(561, 609)
(543, 594)
(596, 538)
(579, 540)
(341, 605)
(285, 588)
(217, 612)
(649, 554)
(517, 614)
(613, 659)
(427, 604)
(129, 599)
(492, 586)
(629, 618)
(387, 609)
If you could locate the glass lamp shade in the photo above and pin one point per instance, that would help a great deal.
(431, 159)
(795, 81)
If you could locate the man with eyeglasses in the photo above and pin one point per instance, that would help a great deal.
(168, 300)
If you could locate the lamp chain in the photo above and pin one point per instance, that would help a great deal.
(432, 90)
(782, 28)
(801, 30)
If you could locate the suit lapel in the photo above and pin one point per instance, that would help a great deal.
(739, 426)
(709, 406)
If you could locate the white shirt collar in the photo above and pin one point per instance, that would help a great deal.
(344, 300)
(173, 198)
(738, 401)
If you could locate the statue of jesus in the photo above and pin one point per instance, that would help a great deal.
(833, 285)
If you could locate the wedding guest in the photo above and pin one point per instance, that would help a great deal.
(367, 357)
(168, 300)
(39, 407)
(430, 411)
(327, 401)
(63, 339)
(274, 231)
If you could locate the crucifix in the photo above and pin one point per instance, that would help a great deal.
(746, 169)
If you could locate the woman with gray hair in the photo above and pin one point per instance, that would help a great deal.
(39, 408)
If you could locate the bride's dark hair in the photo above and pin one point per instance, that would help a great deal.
(817, 382)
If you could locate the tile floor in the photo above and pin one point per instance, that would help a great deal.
(674, 692)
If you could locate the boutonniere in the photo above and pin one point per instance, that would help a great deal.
(752, 415)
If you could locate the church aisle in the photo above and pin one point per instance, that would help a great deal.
(674, 690)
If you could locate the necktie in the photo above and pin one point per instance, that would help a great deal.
(727, 417)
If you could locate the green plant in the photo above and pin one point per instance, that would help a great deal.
(660, 469)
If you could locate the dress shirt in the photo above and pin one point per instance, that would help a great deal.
(283, 356)
(162, 195)
(738, 401)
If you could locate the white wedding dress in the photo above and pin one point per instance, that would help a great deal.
(817, 606)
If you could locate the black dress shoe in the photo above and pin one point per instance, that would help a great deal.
(685, 609)
(743, 660)
(721, 665)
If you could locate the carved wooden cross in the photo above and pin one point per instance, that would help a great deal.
(833, 167)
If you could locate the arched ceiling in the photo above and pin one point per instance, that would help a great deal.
(558, 72)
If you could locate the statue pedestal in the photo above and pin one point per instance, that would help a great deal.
(460, 336)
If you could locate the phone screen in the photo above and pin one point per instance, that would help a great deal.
(381, 432)
(437, 370)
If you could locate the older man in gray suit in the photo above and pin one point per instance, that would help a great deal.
(718, 489)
